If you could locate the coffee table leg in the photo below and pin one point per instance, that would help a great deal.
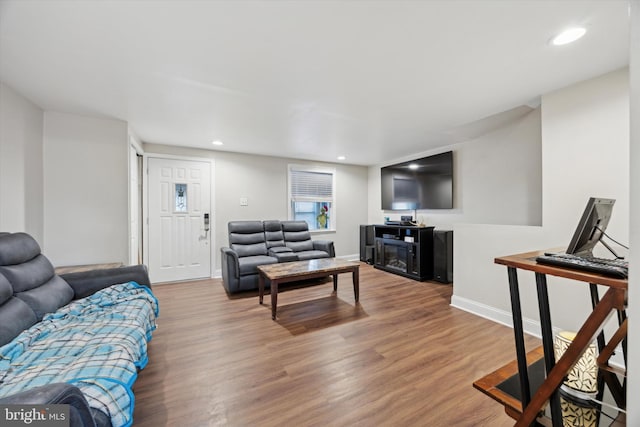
(261, 287)
(274, 298)
(356, 284)
(335, 283)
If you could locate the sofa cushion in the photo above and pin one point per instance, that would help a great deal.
(286, 256)
(34, 281)
(303, 245)
(247, 238)
(306, 255)
(15, 315)
(28, 274)
(16, 248)
(249, 264)
(297, 236)
(47, 298)
(6, 291)
(273, 234)
(288, 226)
(279, 249)
(256, 249)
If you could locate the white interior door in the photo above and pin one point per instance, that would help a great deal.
(179, 198)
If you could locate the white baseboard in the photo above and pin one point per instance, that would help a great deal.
(530, 326)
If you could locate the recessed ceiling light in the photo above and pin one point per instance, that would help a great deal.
(413, 166)
(342, 158)
(216, 142)
(568, 36)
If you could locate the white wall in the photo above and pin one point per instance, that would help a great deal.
(585, 135)
(86, 189)
(263, 181)
(21, 176)
(497, 179)
(633, 390)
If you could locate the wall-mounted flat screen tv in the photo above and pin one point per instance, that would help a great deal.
(425, 183)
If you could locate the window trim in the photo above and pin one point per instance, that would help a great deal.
(317, 169)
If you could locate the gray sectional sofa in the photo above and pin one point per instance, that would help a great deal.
(77, 339)
(254, 243)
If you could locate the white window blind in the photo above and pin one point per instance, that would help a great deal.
(311, 185)
(311, 193)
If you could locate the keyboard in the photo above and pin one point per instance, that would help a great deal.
(609, 267)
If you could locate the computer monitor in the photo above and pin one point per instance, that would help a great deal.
(591, 227)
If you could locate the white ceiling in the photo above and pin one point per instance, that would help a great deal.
(370, 80)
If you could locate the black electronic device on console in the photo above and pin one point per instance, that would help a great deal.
(404, 220)
(591, 228)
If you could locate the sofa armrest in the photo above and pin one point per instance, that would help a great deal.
(230, 264)
(56, 394)
(85, 283)
(324, 245)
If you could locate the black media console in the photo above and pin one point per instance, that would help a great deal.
(404, 250)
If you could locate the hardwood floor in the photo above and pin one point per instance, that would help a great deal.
(402, 357)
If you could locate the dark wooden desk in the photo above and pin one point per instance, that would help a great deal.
(614, 301)
(300, 270)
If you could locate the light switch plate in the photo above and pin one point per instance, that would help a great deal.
(244, 201)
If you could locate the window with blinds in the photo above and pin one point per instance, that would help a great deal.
(311, 196)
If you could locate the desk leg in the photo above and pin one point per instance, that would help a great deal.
(622, 320)
(356, 284)
(622, 317)
(547, 344)
(595, 299)
(335, 282)
(260, 287)
(521, 352)
(602, 376)
(274, 298)
(616, 388)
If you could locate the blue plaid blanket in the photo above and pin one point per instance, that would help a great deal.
(97, 343)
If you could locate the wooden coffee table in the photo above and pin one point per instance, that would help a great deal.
(300, 270)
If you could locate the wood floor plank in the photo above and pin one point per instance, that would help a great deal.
(402, 357)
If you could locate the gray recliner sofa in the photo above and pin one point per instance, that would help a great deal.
(34, 323)
(254, 243)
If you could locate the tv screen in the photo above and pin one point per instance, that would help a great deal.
(425, 183)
